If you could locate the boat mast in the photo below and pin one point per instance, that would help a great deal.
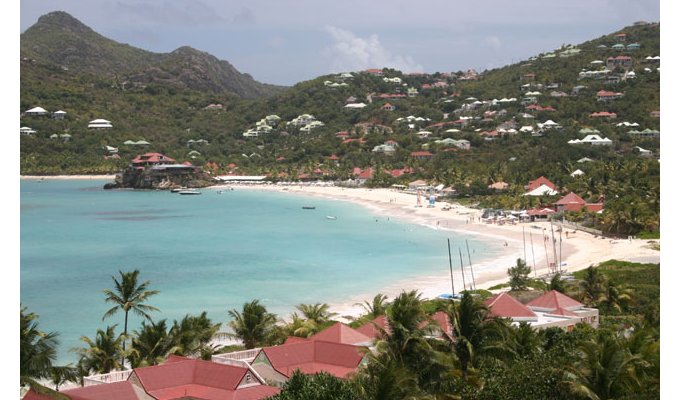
(453, 291)
(532, 252)
(462, 270)
(472, 272)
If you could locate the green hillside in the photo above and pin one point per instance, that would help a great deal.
(165, 100)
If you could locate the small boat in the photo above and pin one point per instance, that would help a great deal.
(331, 217)
(179, 189)
(189, 191)
(308, 207)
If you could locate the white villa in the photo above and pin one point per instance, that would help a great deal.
(100, 124)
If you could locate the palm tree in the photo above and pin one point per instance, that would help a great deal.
(129, 295)
(102, 354)
(316, 312)
(253, 325)
(474, 333)
(615, 297)
(192, 335)
(375, 308)
(37, 350)
(384, 378)
(605, 370)
(592, 286)
(151, 344)
(62, 374)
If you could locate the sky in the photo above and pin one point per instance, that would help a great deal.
(285, 42)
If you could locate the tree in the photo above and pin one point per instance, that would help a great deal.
(606, 369)
(253, 325)
(151, 344)
(375, 308)
(129, 295)
(316, 312)
(557, 283)
(592, 286)
(192, 336)
(102, 354)
(37, 349)
(321, 386)
(519, 276)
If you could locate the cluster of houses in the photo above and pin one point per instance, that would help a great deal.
(338, 350)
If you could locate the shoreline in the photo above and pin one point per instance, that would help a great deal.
(579, 251)
(66, 177)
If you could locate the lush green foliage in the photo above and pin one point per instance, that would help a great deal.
(168, 116)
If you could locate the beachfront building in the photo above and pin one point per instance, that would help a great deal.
(152, 159)
(574, 202)
(177, 378)
(551, 309)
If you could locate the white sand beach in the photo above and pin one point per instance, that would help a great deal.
(578, 251)
(67, 177)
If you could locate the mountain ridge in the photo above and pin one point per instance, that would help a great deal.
(59, 39)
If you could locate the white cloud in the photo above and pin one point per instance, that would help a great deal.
(493, 41)
(353, 53)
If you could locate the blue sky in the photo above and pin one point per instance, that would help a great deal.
(284, 42)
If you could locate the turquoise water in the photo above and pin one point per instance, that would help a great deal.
(211, 252)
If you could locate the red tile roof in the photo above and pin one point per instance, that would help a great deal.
(341, 333)
(152, 158)
(553, 300)
(505, 306)
(542, 180)
(183, 377)
(314, 356)
(369, 329)
(571, 198)
(111, 391)
(421, 154)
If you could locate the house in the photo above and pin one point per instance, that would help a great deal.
(573, 202)
(603, 114)
(179, 378)
(421, 155)
(213, 107)
(604, 95)
(59, 114)
(277, 363)
(646, 133)
(152, 159)
(25, 130)
(99, 124)
(643, 153)
(542, 180)
(556, 303)
(388, 107)
(542, 190)
(594, 140)
(551, 309)
(36, 112)
(500, 185)
(619, 61)
(374, 71)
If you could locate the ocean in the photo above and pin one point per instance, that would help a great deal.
(210, 253)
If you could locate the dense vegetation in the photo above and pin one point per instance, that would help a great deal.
(486, 358)
(170, 116)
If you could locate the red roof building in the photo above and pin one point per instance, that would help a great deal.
(554, 300)
(341, 333)
(179, 378)
(149, 159)
(421, 155)
(370, 329)
(542, 180)
(505, 306)
(574, 202)
(277, 363)
(603, 114)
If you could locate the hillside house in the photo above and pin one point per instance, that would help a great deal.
(99, 124)
(388, 107)
(603, 114)
(59, 115)
(152, 159)
(604, 95)
(421, 155)
(594, 140)
(619, 61)
(542, 180)
(36, 112)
